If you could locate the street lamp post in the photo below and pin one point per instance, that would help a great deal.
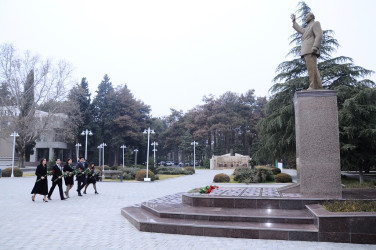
(148, 131)
(86, 132)
(123, 147)
(102, 146)
(78, 145)
(99, 158)
(154, 150)
(14, 134)
(194, 143)
(135, 157)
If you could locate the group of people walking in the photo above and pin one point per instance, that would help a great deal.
(85, 175)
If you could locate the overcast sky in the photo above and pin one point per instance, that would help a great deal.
(172, 53)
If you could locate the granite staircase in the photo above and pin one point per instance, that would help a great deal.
(237, 213)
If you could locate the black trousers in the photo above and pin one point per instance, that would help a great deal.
(81, 182)
(60, 184)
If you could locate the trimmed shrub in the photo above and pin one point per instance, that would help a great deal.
(141, 174)
(221, 178)
(174, 170)
(106, 167)
(130, 173)
(248, 175)
(265, 174)
(190, 170)
(276, 171)
(245, 175)
(17, 172)
(283, 178)
(169, 170)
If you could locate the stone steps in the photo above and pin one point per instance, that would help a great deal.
(148, 222)
(170, 215)
(185, 212)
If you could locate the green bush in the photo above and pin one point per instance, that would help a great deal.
(221, 178)
(169, 170)
(257, 175)
(283, 178)
(17, 172)
(245, 175)
(276, 171)
(189, 170)
(141, 174)
(130, 173)
(265, 173)
(174, 171)
(106, 167)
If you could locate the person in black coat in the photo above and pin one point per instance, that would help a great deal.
(41, 185)
(81, 179)
(57, 180)
(68, 180)
(91, 178)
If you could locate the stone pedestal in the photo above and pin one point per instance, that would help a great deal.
(317, 143)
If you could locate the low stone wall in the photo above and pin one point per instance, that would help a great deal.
(350, 227)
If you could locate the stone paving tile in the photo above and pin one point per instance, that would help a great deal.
(252, 192)
(94, 221)
(270, 192)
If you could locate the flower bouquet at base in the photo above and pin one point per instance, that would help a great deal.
(45, 176)
(207, 189)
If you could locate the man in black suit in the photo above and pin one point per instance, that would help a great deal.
(57, 180)
(81, 180)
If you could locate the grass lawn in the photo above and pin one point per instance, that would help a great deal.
(350, 206)
(354, 183)
(28, 174)
(169, 176)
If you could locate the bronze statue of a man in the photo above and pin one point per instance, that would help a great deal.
(310, 49)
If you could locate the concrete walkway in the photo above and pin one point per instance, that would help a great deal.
(94, 221)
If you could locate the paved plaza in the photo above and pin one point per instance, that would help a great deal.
(94, 221)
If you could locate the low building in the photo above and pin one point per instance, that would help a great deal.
(229, 161)
(51, 144)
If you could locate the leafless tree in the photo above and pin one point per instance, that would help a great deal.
(27, 81)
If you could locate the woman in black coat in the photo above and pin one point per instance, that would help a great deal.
(68, 180)
(91, 178)
(41, 185)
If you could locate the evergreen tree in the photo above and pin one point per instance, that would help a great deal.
(101, 115)
(357, 121)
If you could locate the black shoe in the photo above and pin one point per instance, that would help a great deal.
(79, 194)
(32, 198)
(45, 200)
(49, 198)
(84, 192)
(63, 199)
(96, 193)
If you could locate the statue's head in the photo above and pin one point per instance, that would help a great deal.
(309, 17)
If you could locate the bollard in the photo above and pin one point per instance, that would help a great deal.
(0, 173)
(121, 177)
